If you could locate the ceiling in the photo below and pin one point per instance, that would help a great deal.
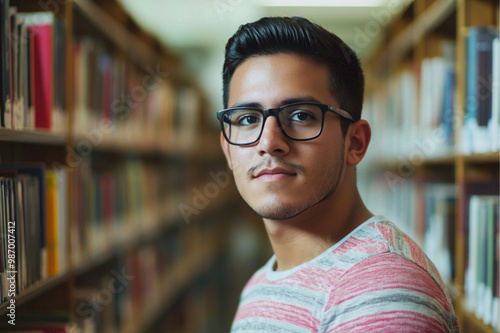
(209, 23)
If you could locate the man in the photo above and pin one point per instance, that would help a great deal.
(292, 135)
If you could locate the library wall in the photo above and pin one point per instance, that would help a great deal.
(433, 102)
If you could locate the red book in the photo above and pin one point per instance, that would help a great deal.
(43, 74)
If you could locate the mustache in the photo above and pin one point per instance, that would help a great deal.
(275, 162)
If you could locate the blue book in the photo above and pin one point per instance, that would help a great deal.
(479, 78)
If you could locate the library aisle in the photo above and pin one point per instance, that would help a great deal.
(118, 212)
(115, 198)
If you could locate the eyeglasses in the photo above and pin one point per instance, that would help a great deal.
(300, 121)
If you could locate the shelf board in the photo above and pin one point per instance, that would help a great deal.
(38, 136)
(433, 16)
(122, 246)
(115, 31)
(470, 322)
(493, 157)
(205, 146)
(34, 290)
(441, 160)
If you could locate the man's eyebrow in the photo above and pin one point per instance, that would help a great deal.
(300, 99)
(247, 105)
(282, 102)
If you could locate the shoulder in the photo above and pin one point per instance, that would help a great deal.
(388, 292)
(387, 274)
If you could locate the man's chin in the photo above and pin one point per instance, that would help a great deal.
(282, 212)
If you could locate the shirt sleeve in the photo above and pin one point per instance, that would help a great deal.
(388, 293)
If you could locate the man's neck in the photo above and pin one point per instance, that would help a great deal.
(309, 234)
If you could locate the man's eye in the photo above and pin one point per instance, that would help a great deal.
(301, 116)
(247, 120)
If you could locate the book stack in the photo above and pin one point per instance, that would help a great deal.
(33, 70)
(33, 225)
(120, 99)
(121, 201)
(414, 113)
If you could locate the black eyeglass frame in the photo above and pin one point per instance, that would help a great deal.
(275, 112)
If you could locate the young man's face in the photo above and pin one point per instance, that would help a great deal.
(278, 177)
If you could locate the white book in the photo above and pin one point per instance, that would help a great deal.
(471, 271)
(62, 225)
(494, 125)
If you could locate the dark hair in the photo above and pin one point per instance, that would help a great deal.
(297, 35)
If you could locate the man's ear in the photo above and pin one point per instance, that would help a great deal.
(357, 140)
(225, 148)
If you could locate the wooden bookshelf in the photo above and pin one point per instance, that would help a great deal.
(33, 136)
(428, 30)
(123, 176)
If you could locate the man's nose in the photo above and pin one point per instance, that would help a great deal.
(272, 140)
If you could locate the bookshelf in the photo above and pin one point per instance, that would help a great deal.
(434, 162)
(121, 151)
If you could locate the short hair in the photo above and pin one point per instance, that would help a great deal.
(299, 36)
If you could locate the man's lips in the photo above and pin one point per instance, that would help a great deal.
(274, 174)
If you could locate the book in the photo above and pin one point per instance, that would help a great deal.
(4, 62)
(6, 177)
(479, 119)
(52, 223)
(439, 234)
(495, 96)
(43, 74)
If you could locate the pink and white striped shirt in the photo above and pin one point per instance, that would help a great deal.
(376, 279)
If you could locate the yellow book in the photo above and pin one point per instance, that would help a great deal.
(51, 220)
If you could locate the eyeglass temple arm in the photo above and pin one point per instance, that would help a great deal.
(340, 112)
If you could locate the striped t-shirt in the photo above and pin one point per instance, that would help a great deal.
(376, 279)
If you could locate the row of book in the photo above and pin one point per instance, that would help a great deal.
(131, 102)
(481, 278)
(117, 200)
(135, 290)
(127, 102)
(32, 83)
(33, 225)
(417, 112)
(113, 94)
(414, 111)
(114, 201)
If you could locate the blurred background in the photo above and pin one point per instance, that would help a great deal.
(128, 219)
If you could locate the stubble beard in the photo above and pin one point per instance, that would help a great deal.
(279, 210)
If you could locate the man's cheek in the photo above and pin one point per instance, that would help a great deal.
(239, 169)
